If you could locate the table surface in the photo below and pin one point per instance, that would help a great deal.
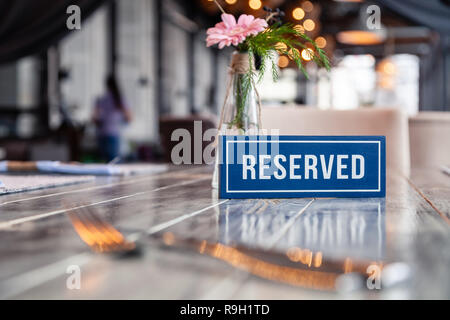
(191, 245)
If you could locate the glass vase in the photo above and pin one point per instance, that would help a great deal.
(240, 113)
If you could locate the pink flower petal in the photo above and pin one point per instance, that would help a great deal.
(229, 20)
(221, 26)
(212, 31)
(229, 32)
(245, 20)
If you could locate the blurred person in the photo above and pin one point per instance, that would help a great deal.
(110, 114)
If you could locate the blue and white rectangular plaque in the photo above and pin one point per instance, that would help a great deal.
(302, 166)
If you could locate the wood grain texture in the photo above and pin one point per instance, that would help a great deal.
(195, 246)
(434, 185)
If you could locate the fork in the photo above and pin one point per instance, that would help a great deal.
(98, 234)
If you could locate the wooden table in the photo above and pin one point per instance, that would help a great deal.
(195, 246)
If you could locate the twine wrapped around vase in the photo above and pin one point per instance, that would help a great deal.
(240, 63)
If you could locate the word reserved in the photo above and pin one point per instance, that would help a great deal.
(302, 166)
(308, 163)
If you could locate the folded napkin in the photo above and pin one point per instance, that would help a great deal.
(79, 169)
(13, 183)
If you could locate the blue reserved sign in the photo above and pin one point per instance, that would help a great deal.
(302, 166)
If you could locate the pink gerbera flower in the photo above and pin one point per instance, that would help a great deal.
(229, 32)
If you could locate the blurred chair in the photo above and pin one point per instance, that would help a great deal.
(167, 124)
(17, 150)
(391, 123)
(429, 133)
(48, 150)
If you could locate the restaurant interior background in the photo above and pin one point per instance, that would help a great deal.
(50, 76)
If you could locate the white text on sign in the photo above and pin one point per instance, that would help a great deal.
(296, 167)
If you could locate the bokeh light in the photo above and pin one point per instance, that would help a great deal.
(294, 52)
(309, 25)
(307, 6)
(298, 14)
(307, 54)
(255, 4)
(283, 62)
(359, 37)
(321, 42)
(299, 28)
(280, 46)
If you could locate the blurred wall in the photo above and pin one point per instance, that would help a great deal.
(19, 83)
(175, 71)
(136, 37)
(83, 55)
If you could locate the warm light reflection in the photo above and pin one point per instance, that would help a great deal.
(231, 1)
(388, 67)
(307, 54)
(309, 25)
(98, 234)
(318, 259)
(280, 46)
(168, 238)
(299, 28)
(202, 247)
(386, 74)
(297, 277)
(307, 6)
(359, 37)
(321, 42)
(348, 265)
(304, 256)
(379, 264)
(308, 258)
(386, 83)
(321, 279)
(294, 53)
(298, 14)
(255, 4)
(283, 62)
(294, 254)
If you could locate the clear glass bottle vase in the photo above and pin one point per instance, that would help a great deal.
(240, 114)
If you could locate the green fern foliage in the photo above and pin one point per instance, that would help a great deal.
(264, 44)
(283, 38)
